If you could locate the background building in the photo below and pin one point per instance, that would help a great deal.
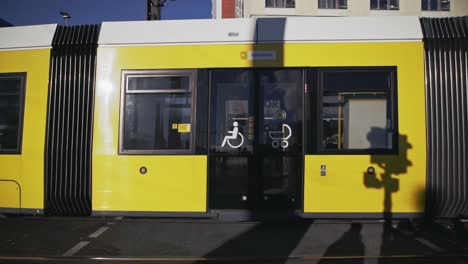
(256, 8)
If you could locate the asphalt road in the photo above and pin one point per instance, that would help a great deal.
(126, 240)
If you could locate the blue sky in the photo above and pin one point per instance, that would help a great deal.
(30, 12)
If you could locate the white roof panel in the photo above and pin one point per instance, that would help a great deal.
(27, 37)
(177, 31)
(262, 30)
(348, 29)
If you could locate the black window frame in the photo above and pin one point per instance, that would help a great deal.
(22, 93)
(388, 6)
(314, 109)
(126, 74)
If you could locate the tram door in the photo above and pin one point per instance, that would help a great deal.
(255, 139)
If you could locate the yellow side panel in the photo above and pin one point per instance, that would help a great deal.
(400, 181)
(347, 188)
(171, 183)
(27, 168)
(9, 194)
(117, 184)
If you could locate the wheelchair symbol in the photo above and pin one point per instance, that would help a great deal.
(280, 136)
(234, 134)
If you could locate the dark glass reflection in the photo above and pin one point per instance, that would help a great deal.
(424, 5)
(280, 3)
(260, 167)
(354, 106)
(229, 182)
(333, 4)
(435, 5)
(281, 125)
(158, 83)
(157, 121)
(384, 4)
(280, 180)
(10, 109)
(445, 5)
(231, 112)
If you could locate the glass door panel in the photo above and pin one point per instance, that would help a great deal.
(255, 144)
(280, 142)
(231, 139)
(231, 112)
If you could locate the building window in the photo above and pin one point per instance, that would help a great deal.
(157, 112)
(333, 4)
(435, 5)
(385, 5)
(239, 8)
(11, 112)
(358, 111)
(280, 3)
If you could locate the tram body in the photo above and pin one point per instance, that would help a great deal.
(22, 180)
(346, 100)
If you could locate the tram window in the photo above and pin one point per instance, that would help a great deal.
(11, 112)
(358, 110)
(157, 112)
(159, 83)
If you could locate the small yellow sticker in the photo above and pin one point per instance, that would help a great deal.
(174, 126)
(184, 128)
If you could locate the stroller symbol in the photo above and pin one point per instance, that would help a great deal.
(283, 136)
(233, 135)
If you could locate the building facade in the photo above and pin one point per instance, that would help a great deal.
(261, 8)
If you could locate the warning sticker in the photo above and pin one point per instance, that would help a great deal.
(174, 126)
(183, 128)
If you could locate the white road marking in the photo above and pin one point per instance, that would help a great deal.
(423, 241)
(110, 223)
(75, 249)
(98, 232)
(430, 244)
(118, 218)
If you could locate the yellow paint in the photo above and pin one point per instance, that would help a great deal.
(27, 169)
(346, 188)
(171, 184)
(178, 183)
(174, 183)
(184, 128)
(9, 194)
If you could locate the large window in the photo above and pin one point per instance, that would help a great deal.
(385, 4)
(280, 3)
(435, 5)
(333, 4)
(157, 112)
(358, 111)
(11, 112)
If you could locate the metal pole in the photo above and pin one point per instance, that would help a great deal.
(153, 8)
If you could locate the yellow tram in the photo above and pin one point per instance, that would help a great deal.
(316, 117)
